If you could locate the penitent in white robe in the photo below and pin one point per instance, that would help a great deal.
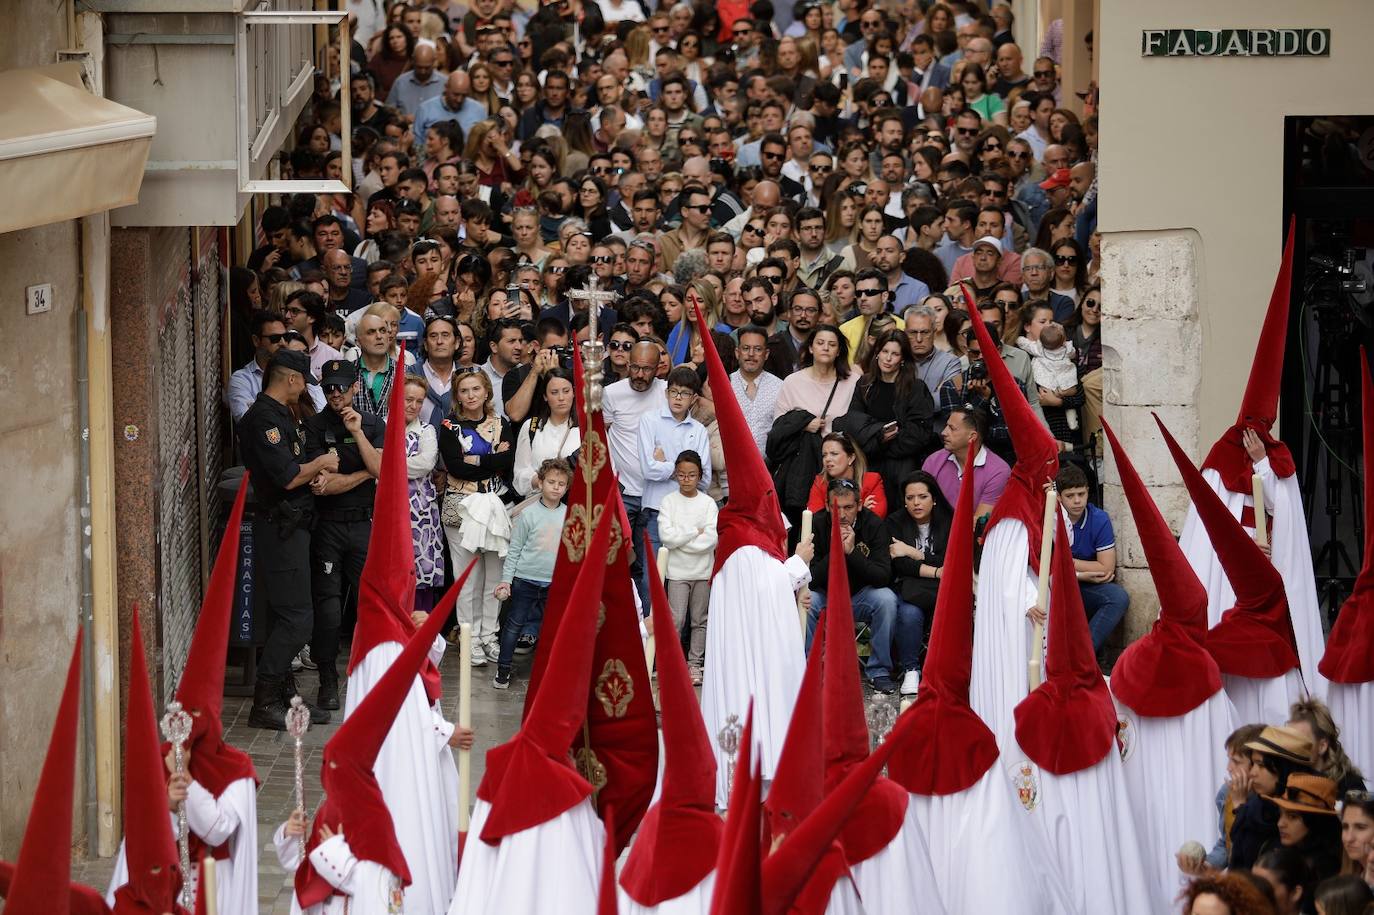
(1292, 556)
(419, 782)
(1001, 631)
(1173, 768)
(1352, 706)
(554, 867)
(1263, 701)
(985, 854)
(696, 901)
(232, 817)
(753, 652)
(365, 887)
(899, 878)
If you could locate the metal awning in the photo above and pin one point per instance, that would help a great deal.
(65, 153)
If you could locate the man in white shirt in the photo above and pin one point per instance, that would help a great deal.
(755, 389)
(268, 330)
(507, 343)
(1038, 133)
(623, 404)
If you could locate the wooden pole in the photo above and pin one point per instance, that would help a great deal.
(1034, 672)
(464, 721)
(1261, 526)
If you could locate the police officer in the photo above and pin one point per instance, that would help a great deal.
(343, 510)
(272, 444)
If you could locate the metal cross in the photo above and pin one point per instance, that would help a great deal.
(593, 351)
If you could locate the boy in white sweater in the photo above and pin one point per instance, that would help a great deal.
(687, 529)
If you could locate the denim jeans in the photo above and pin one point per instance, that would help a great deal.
(889, 621)
(639, 568)
(526, 608)
(911, 612)
(1106, 604)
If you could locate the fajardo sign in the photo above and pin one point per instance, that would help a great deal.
(1235, 43)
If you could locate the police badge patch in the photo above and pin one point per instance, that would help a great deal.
(274, 435)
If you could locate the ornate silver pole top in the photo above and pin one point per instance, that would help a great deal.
(593, 351)
(176, 724)
(729, 735)
(297, 718)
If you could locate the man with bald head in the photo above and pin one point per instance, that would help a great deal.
(623, 404)
(1009, 74)
(338, 276)
(447, 212)
(767, 195)
(417, 85)
(453, 104)
(979, 51)
(906, 290)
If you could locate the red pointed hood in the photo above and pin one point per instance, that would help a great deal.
(353, 802)
(1349, 656)
(45, 860)
(538, 753)
(1167, 672)
(386, 589)
(739, 877)
(1255, 637)
(753, 516)
(952, 747)
(1259, 408)
(621, 723)
(792, 864)
(799, 780)
(1037, 453)
(1068, 723)
(882, 810)
(150, 849)
(214, 764)
(81, 900)
(679, 837)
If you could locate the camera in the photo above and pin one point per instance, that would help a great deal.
(977, 371)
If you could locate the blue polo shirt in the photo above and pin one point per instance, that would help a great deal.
(1091, 533)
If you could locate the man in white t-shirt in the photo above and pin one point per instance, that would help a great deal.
(623, 404)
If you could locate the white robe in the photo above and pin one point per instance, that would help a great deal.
(696, 901)
(365, 887)
(554, 867)
(419, 782)
(232, 818)
(985, 855)
(1292, 556)
(1001, 631)
(1092, 830)
(753, 651)
(1352, 705)
(1173, 768)
(1263, 701)
(844, 900)
(900, 877)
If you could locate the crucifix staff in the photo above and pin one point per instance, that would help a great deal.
(176, 729)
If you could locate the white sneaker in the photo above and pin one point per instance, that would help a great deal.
(478, 657)
(492, 651)
(910, 682)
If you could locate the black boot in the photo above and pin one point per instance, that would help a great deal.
(268, 711)
(328, 696)
(289, 690)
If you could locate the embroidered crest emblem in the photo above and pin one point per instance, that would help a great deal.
(274, 435)
(395, 903)
(1026, 783)
(1125, 737)
(615, 689)
(590, 768)
(577, 532)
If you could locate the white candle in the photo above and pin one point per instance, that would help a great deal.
(1261, 529)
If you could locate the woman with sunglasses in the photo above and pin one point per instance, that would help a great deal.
(1070, 268)
(555, 268)
(694, 64)
(990, 146)
(616, 365)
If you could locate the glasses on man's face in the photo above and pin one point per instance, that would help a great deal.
(806, 311)
(603, 259)
(698, 207)
(740, 33)
(994, 193)
(867, 293)
(1043, 74)
(333, 389)
(966, 131)
(822, 167)
(601, 170)
(681, 393)
(772, 156)
(1017, 154)
(660, 29)
(643, 369)
(558, 271)
(504, 62)
(293, 310)
(1065, 259)
(774, 278)
(273, 338)
(1008, 303)
(620, 346)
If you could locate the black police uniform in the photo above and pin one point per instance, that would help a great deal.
(272, 445)
(342, 529)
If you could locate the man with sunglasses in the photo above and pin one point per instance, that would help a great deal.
(343, 511)
(1045, 75)
(267, 330)
(696, 225)
(745, 39)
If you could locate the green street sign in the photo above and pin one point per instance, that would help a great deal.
(1235, 43)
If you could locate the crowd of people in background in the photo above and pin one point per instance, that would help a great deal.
(839, 190)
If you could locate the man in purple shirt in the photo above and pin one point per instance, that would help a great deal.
(967, 425)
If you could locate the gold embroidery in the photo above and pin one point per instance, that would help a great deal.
(600, 617)
(591, 768)
(577, 531)
(592, 454)
(615, 689)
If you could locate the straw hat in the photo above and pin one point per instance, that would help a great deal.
(1285, 743)
(1307, 794)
